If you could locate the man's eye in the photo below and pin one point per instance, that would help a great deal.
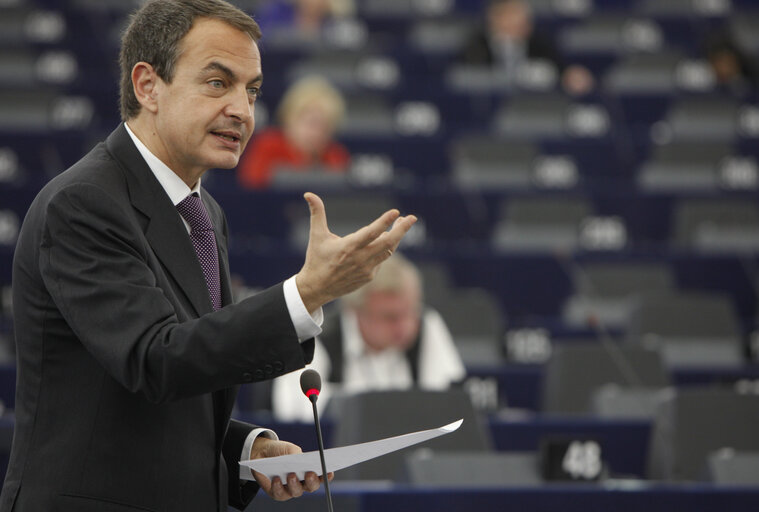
(255, 92)
(216, 84)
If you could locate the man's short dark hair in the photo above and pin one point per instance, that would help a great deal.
(154, 35)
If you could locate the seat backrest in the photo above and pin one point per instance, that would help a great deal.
(703, 119)
(693, 423)
(545, 211)
(730, 467)
(473, 469)
(532, 116)
(683, 315)
(476, 322)
(575, 371)
(374, 415)
(694, 219)
(482, 163)
(436, 282)
(621, 279)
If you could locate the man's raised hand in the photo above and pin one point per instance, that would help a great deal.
(335, 266)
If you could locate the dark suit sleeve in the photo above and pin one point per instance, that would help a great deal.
(101, 276)
(240, 492)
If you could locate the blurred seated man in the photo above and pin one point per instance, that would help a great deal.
(309, 114)
(733, 69)
(307, 17)
(508, 41)
(383, 338)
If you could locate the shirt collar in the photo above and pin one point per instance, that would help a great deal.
(175, 188)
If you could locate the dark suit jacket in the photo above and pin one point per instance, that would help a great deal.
(126, 378)
(478, 51)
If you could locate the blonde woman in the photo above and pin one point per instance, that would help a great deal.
(308, 116)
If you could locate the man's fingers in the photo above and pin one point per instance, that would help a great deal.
(278, 491)
(318, 213)
(368, 234)
(294, 487)
(312, 482)
(385, 245)
(263, 482)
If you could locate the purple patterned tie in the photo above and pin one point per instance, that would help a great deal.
(204, 242)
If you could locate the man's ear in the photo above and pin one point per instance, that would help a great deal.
(144, 81)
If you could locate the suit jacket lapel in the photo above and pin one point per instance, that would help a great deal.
(165, 230)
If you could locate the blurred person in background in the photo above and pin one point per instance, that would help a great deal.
(508, 40)
(382, 338)
(307, 17)
(309, 114)
(733, 69)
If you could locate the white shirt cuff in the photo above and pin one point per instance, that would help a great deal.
(245, 472)
(306, 325)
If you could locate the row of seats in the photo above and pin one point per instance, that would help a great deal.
(692, 434)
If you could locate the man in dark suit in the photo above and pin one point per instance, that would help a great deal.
(129, 348)
(507, 41)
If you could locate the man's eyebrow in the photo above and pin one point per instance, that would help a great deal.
(231, 75)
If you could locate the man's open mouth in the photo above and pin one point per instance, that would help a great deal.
(231, 137)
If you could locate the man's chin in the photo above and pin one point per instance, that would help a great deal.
(227, 162)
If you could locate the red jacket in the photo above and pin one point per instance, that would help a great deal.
(271, 149)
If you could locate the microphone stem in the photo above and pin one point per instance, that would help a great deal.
(321, 452)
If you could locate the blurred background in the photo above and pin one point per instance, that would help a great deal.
(585, 174)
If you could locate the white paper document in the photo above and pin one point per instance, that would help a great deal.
(343, 457)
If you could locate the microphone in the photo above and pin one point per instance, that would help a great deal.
(311, 384)
(617, 356)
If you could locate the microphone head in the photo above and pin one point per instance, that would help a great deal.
(310, 383)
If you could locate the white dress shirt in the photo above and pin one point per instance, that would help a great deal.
(306, 325)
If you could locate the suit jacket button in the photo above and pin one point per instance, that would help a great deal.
(247, 377)
(268, 369)
(278, 366)
(259, 374)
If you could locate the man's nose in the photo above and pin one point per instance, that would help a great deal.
(240, 106)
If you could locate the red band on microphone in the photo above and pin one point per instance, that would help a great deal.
(312, 391)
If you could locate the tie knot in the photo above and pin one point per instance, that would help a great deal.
(191, 208)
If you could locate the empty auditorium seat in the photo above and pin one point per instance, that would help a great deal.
(475, 320)
(368, 116)
(615, 402)
(363, 417)
(540, 224)
(702, 119)
(576, 371)
(551, 116)
(728, 466)
(690, 328)
(643, 74)
(716, 225)
(474, 469)
(693, 423)
(615, 34)
(684, 167)
(605, 291)
(445, 36)
(436, 281)
(489, 163)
